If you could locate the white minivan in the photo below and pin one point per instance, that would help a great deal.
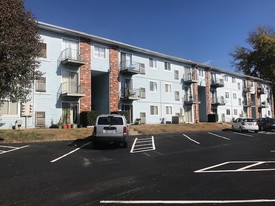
(111, 128)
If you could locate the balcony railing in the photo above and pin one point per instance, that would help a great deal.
(132, 94)
(190, 99)
(218, 101)
(217, 82)
(71, 57)
(71, 89)
(190, 78)
(246, 89)
(129, 67)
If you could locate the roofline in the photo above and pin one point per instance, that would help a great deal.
(71, 32)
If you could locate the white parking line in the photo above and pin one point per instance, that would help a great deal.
(219, 136)
(248, 135)
(11, 148)
(65, 155)
(143, 145)
(247, 168)
(186, 202)
(190, 139)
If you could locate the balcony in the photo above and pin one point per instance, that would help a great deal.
(71, 89)
(71, 57)
(260, 90)
(132, 94)
(131, 68)
(218, 101)
(190, 99)
(217, 83)
(190, 78)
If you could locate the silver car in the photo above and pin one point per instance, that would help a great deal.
(111, 128)
(245, 124)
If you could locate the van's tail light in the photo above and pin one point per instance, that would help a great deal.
(124, 130)
(94, 130)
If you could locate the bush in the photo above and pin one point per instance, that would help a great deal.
(88, 118)
(213, 117)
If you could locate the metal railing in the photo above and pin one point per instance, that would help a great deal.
(218, 100)
(190, 77)
(217, 82)
(72, 55)
(131, 66)
(70, 88)
(132, 94)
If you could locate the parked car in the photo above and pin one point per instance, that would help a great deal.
(266, 123)
(245, 124)
(111, 128)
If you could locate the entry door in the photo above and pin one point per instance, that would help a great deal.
(72, 48)
(126, 60)
(188, 114)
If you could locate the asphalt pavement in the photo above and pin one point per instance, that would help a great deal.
(199, 168)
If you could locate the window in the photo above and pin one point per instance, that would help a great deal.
(168, 110)
(43, 50)
(153, 86)
(227, 111)
(154, 110)
(167, 66)
(168, 88)
(225, 77)
(99, 52)
(200, 72)
(152, 63)
(227, 95)
(40, 119)
(240, 101)
(177, 95)
(234, 96)
(8, 108)
(40, 85)
(176, 74)
(239, 85)
(233, 80)
(235, 112)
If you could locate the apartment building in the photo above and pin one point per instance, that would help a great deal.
(83, 72)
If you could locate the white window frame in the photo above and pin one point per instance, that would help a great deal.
(168, 109)
(235, 111)
(200, 72)
(153, 63)
(9, 113)
(227, 112)
(176, 74)
(167, 88)
(100, 53)
(177, 96)
(233, 80)
(36, 114)
(154, 87)
(154, 110)
(167, 66)
(227, 95)
(40, 84)
(234, 96)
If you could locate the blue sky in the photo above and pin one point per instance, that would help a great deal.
(206, 31)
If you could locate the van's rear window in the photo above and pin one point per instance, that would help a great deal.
(110, 121)
(249, 120)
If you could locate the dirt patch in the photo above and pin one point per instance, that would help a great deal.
(46, 135)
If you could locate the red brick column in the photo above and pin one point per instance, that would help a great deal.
(272, 101)
(207, 91)
(114, 74)
(249, 108)
(85, 76)
(257, 100)
(196, 99)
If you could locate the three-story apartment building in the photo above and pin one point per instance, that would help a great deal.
(83, 72)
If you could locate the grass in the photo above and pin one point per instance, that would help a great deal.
(46, 135)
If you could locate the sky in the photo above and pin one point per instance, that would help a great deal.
(205, 31)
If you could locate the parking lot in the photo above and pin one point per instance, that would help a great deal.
(199, 168)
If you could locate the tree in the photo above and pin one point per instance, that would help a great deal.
(259, 60)
(19, 49)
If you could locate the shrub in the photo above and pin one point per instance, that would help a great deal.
(213, 117)
(88, 118)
